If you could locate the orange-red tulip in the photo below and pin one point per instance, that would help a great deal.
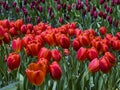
(13, 61)
(82, 54)
(94, 65)
(36, 73)
(33, 48)
(17, 45)
(55, 71)
(24, 29)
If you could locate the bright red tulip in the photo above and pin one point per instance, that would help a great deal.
(102, 30)
(1, 32)
(75, 44)
(64, 42)
(56, 55)
(81, 54)
(55, 71)
(94, 65)
(13, 61)
(92, 53)
(6, 38)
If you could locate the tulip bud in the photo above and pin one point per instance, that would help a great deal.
(76, 45)
(102, 30)
(56, 55)
(24, 29)
(94, 65)
(13, 61)
(6, 38)
(55, 71)
(17, 45)
(66, 52)
(81, 54)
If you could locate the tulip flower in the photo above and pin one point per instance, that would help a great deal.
(75, 44)
(94, 65)
(92, 53)
(55, 71)
(36, 73)
(56, 55)
(17, 45)
(13, 61)
(64, 42)
(33, 48)
(1, 32)
(81, 54)
(6, 38)
(44, 53)
(103, 30)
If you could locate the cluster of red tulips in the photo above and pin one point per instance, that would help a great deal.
(35, 40)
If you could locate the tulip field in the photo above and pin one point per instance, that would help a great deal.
(59, 44)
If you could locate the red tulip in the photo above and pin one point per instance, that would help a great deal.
(17, 45)
(104, 65)
(6, 38)
(81, 54)
(44, 53)
(33, 48)
(94, 65)
(92, 53)
(13, 61)
(24, 29)
(55, 71)
(56, 55)
(64, 42)
(102, 30)
(1, 32)
(75, 44)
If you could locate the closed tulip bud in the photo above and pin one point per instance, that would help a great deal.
(13, 61)
(69, 8)
(64, 42)
(118, 35)
(61, 20)
(115, 45)
(13, 31)
(102, 30)
(17, 45)
(105, 48)
(58, 7)
(44, 53)
(81, 54)
(104, 65)
(76, 45)
(56, 55)
(55, 71)
(109, 20)
(6, 38)
(92, 53)
(24, 29)
(36, 73)
(94, 65)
